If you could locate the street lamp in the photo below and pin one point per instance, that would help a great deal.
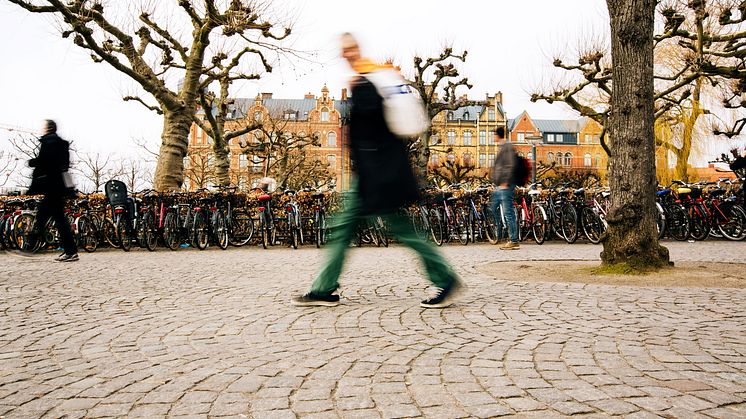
(534, 141)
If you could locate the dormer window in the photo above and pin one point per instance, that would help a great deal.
(450, 116)
(466, 116)
(290, 115)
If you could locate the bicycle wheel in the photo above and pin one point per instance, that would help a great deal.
(320, 226)
(660, 220)
(436, 226)
(241, 229)
(123, 232)
(419, 222)
(87, 234)
(677, 223)
(460, 224)
(698, 226)
(148, 231)
(569, 223)
(293, 231)
(490, 224)
(171, 231)
(471, 226)
(381, 231)
(592, 225)
(200, 235)
(24, 238)
(263, 231)
(524, 224)
(539, 224)
(733, 226)
(109, 233)
(220, 230)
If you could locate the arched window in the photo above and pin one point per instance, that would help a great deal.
(550, 157)
(434, 159)
(598, 161)
(332, 160)
(467, 159)
(467, 138)
(324, 115)
(317, 137)
(451, 157)
(568, 159)
(331, 139)
(587, 160)
(434, 139)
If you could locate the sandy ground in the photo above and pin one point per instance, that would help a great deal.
(684, 274)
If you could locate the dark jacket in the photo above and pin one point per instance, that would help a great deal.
(503, 168)
(53, 159)
(385, 178)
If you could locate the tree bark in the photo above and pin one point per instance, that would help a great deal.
(169, 172)
(632, 236)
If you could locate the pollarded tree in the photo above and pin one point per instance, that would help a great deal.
(436, 79)
(155, 51)
(96, 169)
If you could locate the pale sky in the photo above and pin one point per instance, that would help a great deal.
(511, 45)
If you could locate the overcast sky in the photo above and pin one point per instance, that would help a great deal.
(510, 46)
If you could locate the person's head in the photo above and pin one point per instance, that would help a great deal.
(500, 133)
(50, 127)
(350, 48)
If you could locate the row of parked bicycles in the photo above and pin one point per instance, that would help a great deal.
(293, 218)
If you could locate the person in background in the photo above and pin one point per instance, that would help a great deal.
(51, 179)
(385, 182)
(503, 175)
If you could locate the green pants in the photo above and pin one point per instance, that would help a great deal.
(344, 227)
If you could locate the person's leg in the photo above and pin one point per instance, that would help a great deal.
(343, 229)
(509, 210)
(495, 202)
(57, 208)
(438, 271)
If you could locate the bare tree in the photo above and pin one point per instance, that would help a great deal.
(455, 170)
(200, 169)
(8, 165)
(135, 174)
(155, 51)
(96, 169)
(436, 79)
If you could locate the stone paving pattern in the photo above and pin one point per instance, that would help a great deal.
(212, 334)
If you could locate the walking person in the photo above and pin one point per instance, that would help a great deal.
(384, 184)
(51, 179)
(503, 175)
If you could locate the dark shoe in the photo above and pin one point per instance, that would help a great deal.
(445, 296)
(312, 299)
(68, 258)
(59, 258)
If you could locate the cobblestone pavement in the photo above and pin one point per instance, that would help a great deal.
(209, 334)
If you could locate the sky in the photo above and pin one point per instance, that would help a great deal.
(510, 44)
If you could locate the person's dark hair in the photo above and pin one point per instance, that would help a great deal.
(500, 132)
(51, 126)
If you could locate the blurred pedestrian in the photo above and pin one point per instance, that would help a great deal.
(51, 179)
(503, 175)
(384, 183)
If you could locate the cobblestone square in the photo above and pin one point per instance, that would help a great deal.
(212, 334)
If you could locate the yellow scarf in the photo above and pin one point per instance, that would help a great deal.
(364, 65)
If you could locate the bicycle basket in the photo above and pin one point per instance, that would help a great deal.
(116, 192)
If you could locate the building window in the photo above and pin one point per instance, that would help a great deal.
(521, 137)
(332, 160)
(466, 116)
(185, 162)
(482, 137)
(550, 138)
(482, 160)
(434, 139)
(243, 161)
(467, 159)
(324, 115)
(588, 138)
(491, 114)
(256, 164)
(450, 116)
(530, 156)
(597, 139)
(490, 159)
(331, 139)
(559, 138)
(598, 161)
(317, 139)
(550, 157)
(467, 138)
(587, 159)
(434, 159)
(258, 116)
(451, 157)
(491, 140)
(290, 115)
(568, 159)
(257, 137)
(451, 137)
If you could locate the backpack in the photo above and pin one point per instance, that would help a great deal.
(403, 108)
(522, 171)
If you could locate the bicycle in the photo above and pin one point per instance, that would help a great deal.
(267, 229)
(295, 233)
(481, 219)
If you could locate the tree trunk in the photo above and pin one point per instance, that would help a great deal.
(222, 162)
(422, 158)
(169, 172)
(632, 236)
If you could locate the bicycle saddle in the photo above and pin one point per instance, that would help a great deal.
(578, 192)
(664, 192)
(264, 197)
(684, 190)
(534, 192)
(717, 192)
(205, 200)
(318, 195)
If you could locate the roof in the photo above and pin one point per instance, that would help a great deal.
(278, 107)
(473, 112)
(551, 125)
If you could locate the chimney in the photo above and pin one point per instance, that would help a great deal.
(499, 97)
(266, 96)
(344, 94)
(309, 96)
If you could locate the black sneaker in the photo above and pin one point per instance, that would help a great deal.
(445, 296)
(59, 258)
(312, 299)
(68, 258)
